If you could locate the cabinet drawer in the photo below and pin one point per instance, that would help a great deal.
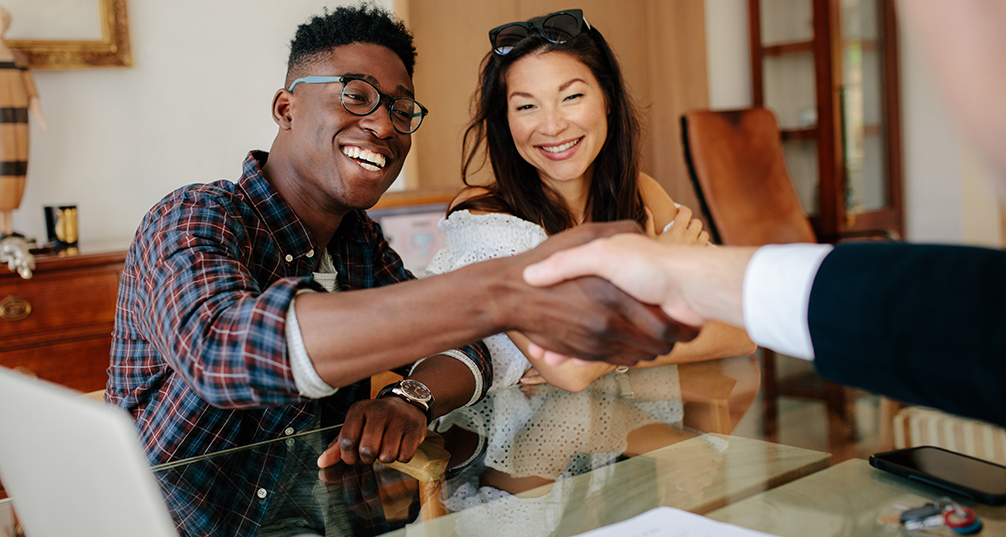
(55, 305)
(79, 364)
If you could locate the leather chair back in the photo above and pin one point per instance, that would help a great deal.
(737, 166)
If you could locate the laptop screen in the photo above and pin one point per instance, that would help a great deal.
(73, 466)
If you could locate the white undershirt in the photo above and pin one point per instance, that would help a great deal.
(305, 376)
(777, 286)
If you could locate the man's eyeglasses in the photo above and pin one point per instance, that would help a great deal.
(361, 98)
(557, 27)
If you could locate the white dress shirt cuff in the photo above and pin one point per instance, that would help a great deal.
(777, 286)
(309, 384)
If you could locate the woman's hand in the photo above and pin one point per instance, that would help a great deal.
(684, 229)
(532, 376)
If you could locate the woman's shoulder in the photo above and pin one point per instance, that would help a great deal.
(470, 193)
(477, 237)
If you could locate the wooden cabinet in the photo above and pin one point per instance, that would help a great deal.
(58, 324)
(829, 71)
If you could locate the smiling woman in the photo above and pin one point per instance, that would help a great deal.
(558, 119)
(556, 122)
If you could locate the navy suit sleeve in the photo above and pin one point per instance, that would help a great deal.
(921, 324)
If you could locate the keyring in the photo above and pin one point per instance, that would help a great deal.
(961, 520)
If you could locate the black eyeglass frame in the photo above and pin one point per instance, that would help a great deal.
(380, 98)
(536, 23)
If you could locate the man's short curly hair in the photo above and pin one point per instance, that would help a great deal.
(362, 23)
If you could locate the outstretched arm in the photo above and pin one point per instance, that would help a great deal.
(692, 284)
(352, 335)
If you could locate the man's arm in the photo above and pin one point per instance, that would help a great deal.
(696, 285)
(390, 429)
(692, 284)
(350, 336)
(922, 324)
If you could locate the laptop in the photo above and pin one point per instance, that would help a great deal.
(74, 466)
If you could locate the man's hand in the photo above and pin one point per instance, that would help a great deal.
(387, 429)
(358, 487)
(588, 317)
(690, 284)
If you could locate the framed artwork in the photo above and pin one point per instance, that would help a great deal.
(412, 231)
(70, 34)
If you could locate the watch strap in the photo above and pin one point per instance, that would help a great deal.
(394, 389)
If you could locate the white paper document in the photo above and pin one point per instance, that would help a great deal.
(669, 522)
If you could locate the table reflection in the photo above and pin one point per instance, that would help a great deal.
(502, 466)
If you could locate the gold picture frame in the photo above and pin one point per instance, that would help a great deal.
(112, 50)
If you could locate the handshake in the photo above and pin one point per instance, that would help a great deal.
(605, 292)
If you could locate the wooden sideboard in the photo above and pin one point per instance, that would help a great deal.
(58, 324)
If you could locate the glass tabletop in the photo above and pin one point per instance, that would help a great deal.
(848, 499)
(526, 460)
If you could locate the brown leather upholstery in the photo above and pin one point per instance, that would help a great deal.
(738, 168)
(736, 162)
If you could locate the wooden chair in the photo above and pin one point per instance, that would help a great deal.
(736, 163)
(918, 426)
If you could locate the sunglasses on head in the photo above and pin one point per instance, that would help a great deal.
(557, 27)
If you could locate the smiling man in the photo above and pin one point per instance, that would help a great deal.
(257, 309)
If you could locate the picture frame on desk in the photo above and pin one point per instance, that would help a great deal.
(96, 35)
(411, 230)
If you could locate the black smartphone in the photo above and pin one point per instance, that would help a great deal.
(973, 478)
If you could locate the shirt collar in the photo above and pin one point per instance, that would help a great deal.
(277, 214)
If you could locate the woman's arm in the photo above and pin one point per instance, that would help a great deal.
(662, 211)
(568, 376)
(660, 207)
(715, 340)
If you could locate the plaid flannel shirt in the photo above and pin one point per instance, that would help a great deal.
(199, 354)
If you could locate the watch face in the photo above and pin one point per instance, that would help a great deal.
(415, 389)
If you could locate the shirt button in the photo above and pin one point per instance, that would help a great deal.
(262, 493)
(289, 258)
(310, 253)
(290, 443)
(289, 431)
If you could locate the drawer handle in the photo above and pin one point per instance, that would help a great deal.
(14, 308)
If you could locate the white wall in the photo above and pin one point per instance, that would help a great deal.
(948, 197)
(194, 103)
(728, 54)
(932, 152)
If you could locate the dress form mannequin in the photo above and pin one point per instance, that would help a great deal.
(17, 97)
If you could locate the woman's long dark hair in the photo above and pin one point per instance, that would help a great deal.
(517, 189)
